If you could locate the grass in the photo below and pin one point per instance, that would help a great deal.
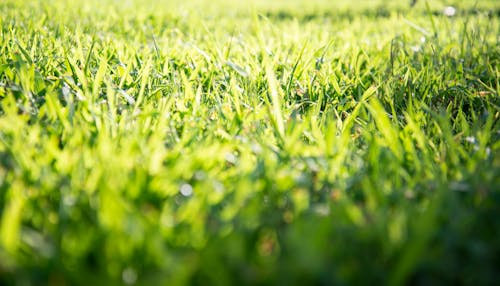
(292, 142)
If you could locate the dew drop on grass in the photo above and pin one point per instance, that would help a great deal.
(415, 49)
(449, 11)
(218, 186)
(470, 139)
(69, 200)
(256, 149)
(186, 190)
(129, 276)
(200, 175)
(66, 91)
(230, 158)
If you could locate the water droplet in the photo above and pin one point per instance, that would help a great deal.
(218, 186)
(186, 190)
(449, 11)
(470, 139)
(129, 276)
(230, 158)
(200, 175)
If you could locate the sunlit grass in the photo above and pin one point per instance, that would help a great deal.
(233, 143)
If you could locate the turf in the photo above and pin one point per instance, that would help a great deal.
(232, 142)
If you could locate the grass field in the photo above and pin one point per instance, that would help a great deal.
(249, 143)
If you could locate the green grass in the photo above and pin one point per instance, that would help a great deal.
(283, 143)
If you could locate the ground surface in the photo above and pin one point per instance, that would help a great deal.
(292, 142)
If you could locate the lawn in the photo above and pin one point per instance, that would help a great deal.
(249, 142)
